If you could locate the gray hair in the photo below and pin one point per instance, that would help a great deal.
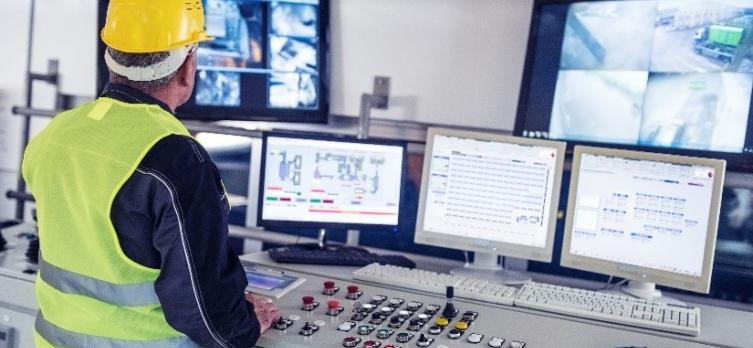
(140, 60)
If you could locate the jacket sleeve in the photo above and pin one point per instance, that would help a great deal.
(201, 282)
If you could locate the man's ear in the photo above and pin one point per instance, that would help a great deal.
(187, 71)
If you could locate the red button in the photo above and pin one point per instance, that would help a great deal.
(352, 289)
(389, 346)
(308, 299)
(333, 304)
(329, 285)
(369, 344)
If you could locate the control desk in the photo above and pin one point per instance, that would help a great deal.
(332, 322)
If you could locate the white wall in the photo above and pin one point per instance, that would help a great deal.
(14, 24)
(455, 62)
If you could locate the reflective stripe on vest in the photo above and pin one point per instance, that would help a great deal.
(59, 337)
(139, 294)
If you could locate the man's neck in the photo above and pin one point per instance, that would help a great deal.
(129, 94)
(168, 97)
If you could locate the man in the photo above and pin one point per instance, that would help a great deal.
(132, 213)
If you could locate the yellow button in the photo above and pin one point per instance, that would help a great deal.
(461, 325)
(442, 321)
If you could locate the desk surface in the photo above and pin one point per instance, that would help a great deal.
(719, 326)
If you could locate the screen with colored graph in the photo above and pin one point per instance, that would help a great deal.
(324, 182)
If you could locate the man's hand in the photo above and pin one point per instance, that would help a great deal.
(266, 312)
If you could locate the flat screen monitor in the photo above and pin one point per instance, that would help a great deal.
(489, 193)
(326, 182)
(267, 62)
(662, 75)
(645, 217)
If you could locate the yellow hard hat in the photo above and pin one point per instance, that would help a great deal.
(148, 26)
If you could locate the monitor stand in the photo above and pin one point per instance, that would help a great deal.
(323, 244)
(646, 291)
(486, 266)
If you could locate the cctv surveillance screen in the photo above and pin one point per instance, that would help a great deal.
(672, 74)
(266, 61)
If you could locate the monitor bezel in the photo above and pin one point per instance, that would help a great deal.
(422, 236)
(741, 162)
(261, 222)
(267, 113)
(700, 284)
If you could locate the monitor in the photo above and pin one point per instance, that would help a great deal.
(267, 62)
(492, 194)
(238, 160)
(322, 181)
(666, 75)
(651, 218)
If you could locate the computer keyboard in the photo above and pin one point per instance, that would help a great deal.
(433, 282)
(339, 256)
(613, 308)
(589, 304)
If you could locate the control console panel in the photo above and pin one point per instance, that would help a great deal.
(330, 309)
(334, 313)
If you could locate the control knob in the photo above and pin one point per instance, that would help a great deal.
(475, 338)
(384, 334)
(470, 316)
(496, 342)
(442, 322)
(353, 293)
(434, 330)
(333, 308)
(414, 325)
(376, 318)
(424, 341)
(351, 341)
(307, 329)
(308, 303)
(395, 322)
(365, 329)
(329, 288)
(378, 299)
(403, 337)
(449, 308)
(432, 309)
(396, 302)
(414, 306)
(454, 334)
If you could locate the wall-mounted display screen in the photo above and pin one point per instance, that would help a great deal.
(666, 74)
(267, 61)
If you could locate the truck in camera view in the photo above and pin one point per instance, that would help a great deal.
(718, 41)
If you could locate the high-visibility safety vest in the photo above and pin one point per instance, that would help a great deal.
(90, 294)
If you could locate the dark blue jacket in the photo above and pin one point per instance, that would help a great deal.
(191, 233)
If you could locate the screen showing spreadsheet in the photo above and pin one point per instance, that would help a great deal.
(644, 213)
(331, 181)
(489, 190)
